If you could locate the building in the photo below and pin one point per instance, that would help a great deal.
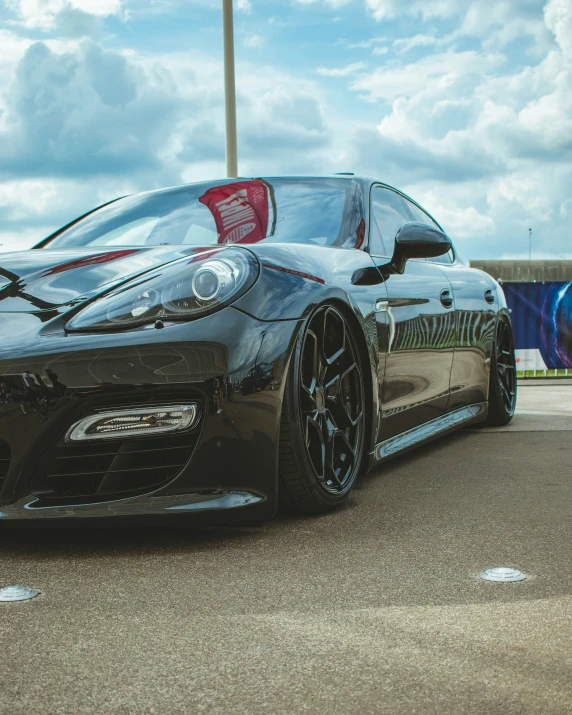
(526, 271)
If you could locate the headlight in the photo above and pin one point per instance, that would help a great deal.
(212, 279)
(180, 291)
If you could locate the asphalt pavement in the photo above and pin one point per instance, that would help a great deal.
(377, 608)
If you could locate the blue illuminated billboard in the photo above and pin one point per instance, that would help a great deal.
(542, 322)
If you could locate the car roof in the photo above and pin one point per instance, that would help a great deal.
(345, 176)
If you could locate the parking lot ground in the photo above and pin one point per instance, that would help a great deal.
(376, 608)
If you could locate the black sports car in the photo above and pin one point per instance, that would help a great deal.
(219, 347)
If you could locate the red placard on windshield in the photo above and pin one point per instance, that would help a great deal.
(240, 210)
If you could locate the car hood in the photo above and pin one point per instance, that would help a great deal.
(45, 280)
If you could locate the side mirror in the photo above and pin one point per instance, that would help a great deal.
(417, 240)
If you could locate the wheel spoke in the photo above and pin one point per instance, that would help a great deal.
(334, 336)
(330, 461)
(308, 401)
(336, 356)
(508, 397)
(331, 389)
(343, 456)
(316, 446)
(350, 394)
(322, 368)
(321, 364)
(309, 370)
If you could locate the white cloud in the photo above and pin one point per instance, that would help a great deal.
(21, 238)
(558, 18)
(342, 71)
(441, 70)
(13, 47)
(254, 41)
(23, 198)
(331, 3)
(388, 9)
(463, 223)
(404, 44)
(81, 125)
(41, 14)
(91, 108)
(244, 5)
(479, 130)
(486, 145)
(364, 44)
(384, 9)
(72, 22)
(31, 209)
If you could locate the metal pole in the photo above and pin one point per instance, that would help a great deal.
(529, 254)
(229, 90)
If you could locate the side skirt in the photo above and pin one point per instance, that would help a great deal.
(430, 430)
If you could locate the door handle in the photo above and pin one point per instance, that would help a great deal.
(446, 298)
(489, 295)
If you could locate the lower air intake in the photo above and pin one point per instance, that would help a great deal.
(5, 457)
(99, 471)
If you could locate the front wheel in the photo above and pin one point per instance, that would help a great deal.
(502, 383)
(322, 427)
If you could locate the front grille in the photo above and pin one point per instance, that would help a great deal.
(5, 457)
(112, 469)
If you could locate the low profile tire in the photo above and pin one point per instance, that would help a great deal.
(322, 427)
(502, 385)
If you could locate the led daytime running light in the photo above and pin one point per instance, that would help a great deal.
(134, 422)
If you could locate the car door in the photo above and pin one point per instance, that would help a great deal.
(419, 346)
(476, 307)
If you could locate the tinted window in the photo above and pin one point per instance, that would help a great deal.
(388, 214)
(422, 217)
(315, 211)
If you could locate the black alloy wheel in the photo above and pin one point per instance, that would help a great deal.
(323, 417)
(502, 387)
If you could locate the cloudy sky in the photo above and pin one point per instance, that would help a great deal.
(466, 105)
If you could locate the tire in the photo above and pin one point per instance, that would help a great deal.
(502, 381)
(323, 416)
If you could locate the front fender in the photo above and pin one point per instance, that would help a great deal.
(295, 278)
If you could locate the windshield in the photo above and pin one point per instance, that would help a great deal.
(323, 212)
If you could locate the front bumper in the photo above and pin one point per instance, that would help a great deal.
(231, 364)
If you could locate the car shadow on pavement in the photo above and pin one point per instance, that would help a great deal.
(417, 530)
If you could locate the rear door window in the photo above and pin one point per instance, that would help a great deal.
(420, 215)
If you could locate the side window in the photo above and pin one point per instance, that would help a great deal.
(422, 217)
(387, 215)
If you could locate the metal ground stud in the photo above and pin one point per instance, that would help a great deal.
(17, 593)
(503, 574)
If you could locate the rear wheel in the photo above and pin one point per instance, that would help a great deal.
(502, 385)
(322, 428)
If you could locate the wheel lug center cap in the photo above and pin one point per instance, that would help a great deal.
(320, 400)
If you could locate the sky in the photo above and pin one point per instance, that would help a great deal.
(464, 105)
